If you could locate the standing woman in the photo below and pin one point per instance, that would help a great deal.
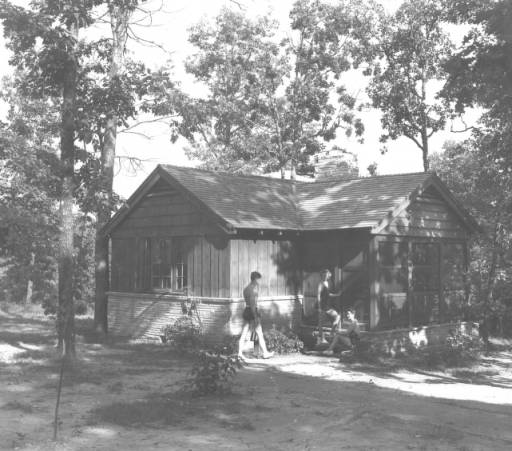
(325, 307)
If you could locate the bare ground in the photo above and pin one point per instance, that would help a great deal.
(126, 397)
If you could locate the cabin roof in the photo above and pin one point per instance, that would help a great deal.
(257, 202)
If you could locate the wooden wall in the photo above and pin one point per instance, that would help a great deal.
(428, 216)
(276, 260)
(165, 214)
(429, 219)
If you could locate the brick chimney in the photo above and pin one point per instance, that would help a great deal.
(336, 163)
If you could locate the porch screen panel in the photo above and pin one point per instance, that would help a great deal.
(392, 278)
(425, 283)
(453, 281)
(354, 279)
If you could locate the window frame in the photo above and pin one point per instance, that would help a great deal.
(174, 278)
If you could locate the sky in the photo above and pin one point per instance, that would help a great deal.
(169, 31)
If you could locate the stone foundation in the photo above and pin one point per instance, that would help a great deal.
(398, 341)
(392, 342)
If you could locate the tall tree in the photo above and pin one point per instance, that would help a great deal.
(45, 46)
(119, 14)
(411, 47)
(270, 104)
(28, 194)
(477, 178)
(480, 73)
(118, 92)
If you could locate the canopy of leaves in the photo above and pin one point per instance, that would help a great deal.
(478, 180)
(412, 47)
(269, 102)
(480, 73)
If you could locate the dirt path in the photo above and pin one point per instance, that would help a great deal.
(125, 397)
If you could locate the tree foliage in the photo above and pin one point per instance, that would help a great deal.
(478, 180)
(480, 73)
(411, 47)
(269, 103)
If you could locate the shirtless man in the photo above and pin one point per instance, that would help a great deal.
(252, 317)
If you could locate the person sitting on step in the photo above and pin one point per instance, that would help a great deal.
(348, 336)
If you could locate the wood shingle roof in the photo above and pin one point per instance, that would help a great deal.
(257, 202)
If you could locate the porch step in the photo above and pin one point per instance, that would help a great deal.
(363, 326)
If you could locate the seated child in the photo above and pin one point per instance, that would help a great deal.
(348, 336)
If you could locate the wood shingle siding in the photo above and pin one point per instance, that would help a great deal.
(427, 216)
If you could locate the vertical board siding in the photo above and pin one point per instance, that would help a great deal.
(272, 283)
(243, 267)
(274, 260)
(233, 268)
(224, 272)
(214, 273)
(206, 284)
(197, 269)
(164, 217)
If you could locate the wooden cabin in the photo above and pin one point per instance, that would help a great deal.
(188, 239)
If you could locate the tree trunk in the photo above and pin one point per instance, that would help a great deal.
(66, 314)
(424, 150)
(494, 263)
(424, 128)
(119, 16)
(30, 283)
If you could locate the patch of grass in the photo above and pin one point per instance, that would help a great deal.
(17, 405)
(151, 412)
(27, 311)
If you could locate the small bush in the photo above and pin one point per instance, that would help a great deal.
(229, 345)
(184, 334)
(282, 342)
(458, 350)
(81, 307)
(213, 373)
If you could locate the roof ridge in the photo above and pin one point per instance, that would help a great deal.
(229, 174)
(347, 179)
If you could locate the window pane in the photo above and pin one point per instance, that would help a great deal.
(393, 254)
(425, 309)
(425, 279)
(453, 266)
(425, 254)
(393, 280)
(394, 310)
(453, 305)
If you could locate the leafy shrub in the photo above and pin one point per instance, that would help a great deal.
(282, 342)
(461, 348)
(81, 307)
(229, 345)
(184, 334)
(458, 350)
(213, 373)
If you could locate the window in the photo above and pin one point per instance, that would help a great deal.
(169, 265)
